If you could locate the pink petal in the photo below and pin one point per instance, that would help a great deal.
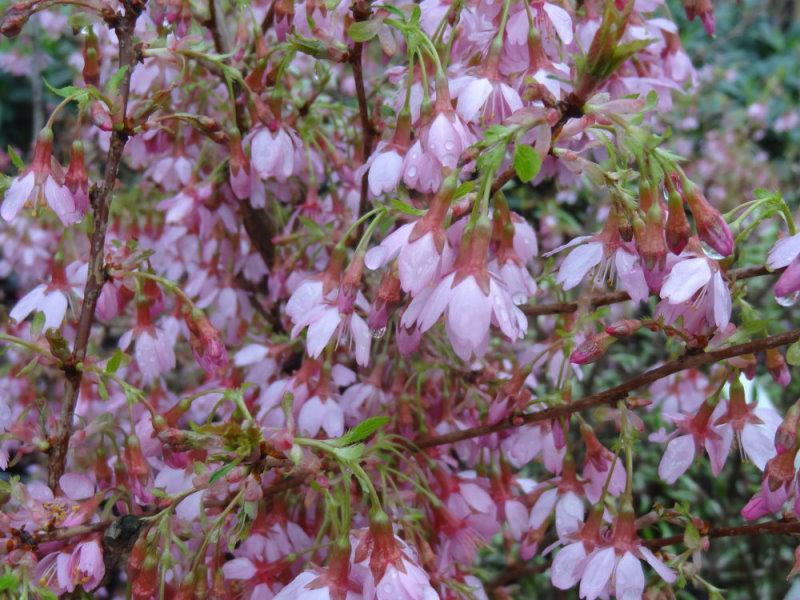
(685, 279)
(61, 201)
(565, 570)
(76, 486)
(321, 330)
(561, 21)
(239, 568)
(384, 173)
(629, 578)
(28, 303)
(16, 195)
(362, 339)
(54, 307)
(543, 507)
(469, 312)
(597, 573)
(578, 263)
(473, 97)
(677, 458)
(784, 251)
(569, 514)
(309, 421)
(659, 567)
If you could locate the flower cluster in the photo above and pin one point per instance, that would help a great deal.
(282, 327)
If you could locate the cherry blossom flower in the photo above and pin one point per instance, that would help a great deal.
(42, 182)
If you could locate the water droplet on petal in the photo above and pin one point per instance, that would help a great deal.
(710, 252)
(378, 333)
(412, 172)
(449, 145)
(789, 300)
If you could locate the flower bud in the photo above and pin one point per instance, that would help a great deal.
(592, 350)
(624, 328)
(776, 365)
(711, 226)
(678, 228)
(91, 59)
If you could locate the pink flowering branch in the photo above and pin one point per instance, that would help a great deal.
(616, 393)
(594, 302)
(100, 198)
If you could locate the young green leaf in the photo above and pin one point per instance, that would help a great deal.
(361, 431)
(527, 162)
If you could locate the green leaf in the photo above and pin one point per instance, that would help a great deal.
(9, 581)
(37, 324)
(221, 472)
(361, 431)
(527, 162)
(116, 80)
(102, 391)
(406, 208)
(363, 31)
(114, 362)
(68, 91)
(312, 227)
(15, 158)
(29, 367)
(349, 453)
(793, 354)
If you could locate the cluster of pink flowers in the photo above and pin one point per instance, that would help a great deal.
(313, 346)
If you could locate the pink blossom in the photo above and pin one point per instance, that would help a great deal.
(42, 182)
(84, 567)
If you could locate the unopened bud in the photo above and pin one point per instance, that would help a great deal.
(592, 350)
(711, 226)
(678, 228)
(776, 365)
(624, 328)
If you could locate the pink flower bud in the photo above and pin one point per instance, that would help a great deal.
(592, 350)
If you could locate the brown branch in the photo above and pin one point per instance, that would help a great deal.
(616, 393)
(594, 302)
(361, 12)
(100, 198)
(780, 527)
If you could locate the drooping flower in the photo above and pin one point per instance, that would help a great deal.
(422, 249)
(693, 433)
(612, 260)
(52, 299)
(695, 290)
(155, 347)
(41, 183)
(471, 299)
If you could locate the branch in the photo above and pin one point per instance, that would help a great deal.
(100, 200)
(361, 12)
(594, 302)
(780, 527)
(616, 393)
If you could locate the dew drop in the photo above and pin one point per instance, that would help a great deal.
(710, 252)
(789, 300)
(449, 145)
(412, 172)
(378, 333)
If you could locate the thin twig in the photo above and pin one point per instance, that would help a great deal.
(616, 393)
(100, 198)
(781, 527)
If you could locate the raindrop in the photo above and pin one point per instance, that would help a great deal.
(710, 252)
(449, 145)
(412, 172)
(789, 300)
(378, 333)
